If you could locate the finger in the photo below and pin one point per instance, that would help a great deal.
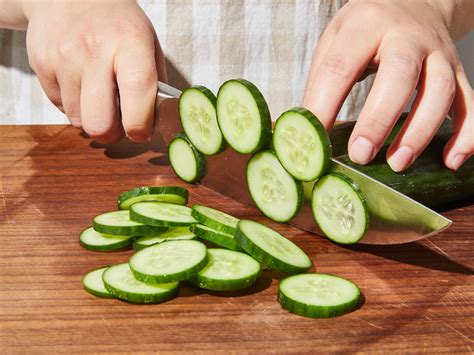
(71, 98)
(338, 72)
(160, 61)
(99, 104)
(395, 82)
(461, 146)
(434, 98)
(137, 83)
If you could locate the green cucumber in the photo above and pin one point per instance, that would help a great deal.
(227, 270)
(271, 248)
(93, 284)
(161, 214)
(168, 262)
(197, 111)
(215, 219)
(243, 116)
(339, 208)
(120, 282)
(187, 162)
(219, 238)
(302, 144)
(95, 241)
(275, 192)
(318, 295)
(119, 223)
(171, 194)
(174, 233)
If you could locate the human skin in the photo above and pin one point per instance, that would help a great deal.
(410, 43)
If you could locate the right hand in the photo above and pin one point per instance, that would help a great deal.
(99, 62)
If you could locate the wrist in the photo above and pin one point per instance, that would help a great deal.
(12, 15)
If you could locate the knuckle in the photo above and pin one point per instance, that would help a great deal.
(371, 10)
(406, 65)
(139, 80)
(91, 43)
(337, 65)
(39, 61)
(66, 49)
(445, 82)
(376, 126)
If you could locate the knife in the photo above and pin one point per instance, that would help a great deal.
(394, 218)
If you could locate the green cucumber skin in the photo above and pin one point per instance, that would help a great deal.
(312, 311)
(125, 245)
(427, 181)
(299, 191)
(153, 190)
(133, 231)
(215, 237)
(318, 126)
(98, 294)
(264, 258)
(134, 216)
(211, 223)
(210, 95)
(264, 113)
(201, 165)
(180, 276)
(140, 298)
(359, 193)
(221, 285)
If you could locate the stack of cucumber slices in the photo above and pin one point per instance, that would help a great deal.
(205, 247)
(300, 153)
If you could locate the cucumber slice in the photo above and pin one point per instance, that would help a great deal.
(92, 283)
(318, 295)
(187, 162)
(243, 116)
(121, 283)
(227, 271)
(302, 144)
(275, 192)
(171, 194)
(161, 214)
(197, 111)
(169, 262)
(219, 238)
(215, 219)
(271, 248)
(339, 208)
(119, 223)
(93, 240)
(175, 233)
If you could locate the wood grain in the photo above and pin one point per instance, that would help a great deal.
(418, 297)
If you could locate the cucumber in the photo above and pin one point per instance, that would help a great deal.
(187, 162)
(161, 214)
(119, 223)
(302, 144)
(171, 194)
(92, 283)
(275, 192)
(215, 219)
(197, 111)
(175, 233)
(219, 238)
(243, 116)
(271, 248)
(120, 282)
(95, 241)
(339, 208)
(318, 295)
(168, 262)
(227, 270)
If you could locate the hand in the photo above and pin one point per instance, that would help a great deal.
(99, 62)
(410, 44)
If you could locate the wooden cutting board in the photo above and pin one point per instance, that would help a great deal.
(418, 297)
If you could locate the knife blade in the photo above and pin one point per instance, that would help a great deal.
(394, 218)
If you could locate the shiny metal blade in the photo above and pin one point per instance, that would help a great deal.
(394, 217)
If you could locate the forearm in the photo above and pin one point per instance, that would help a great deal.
(12, 14)
(459, 16)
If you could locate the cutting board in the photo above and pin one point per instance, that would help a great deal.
(53, 181)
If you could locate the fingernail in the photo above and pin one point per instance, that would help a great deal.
(457, 161)
(362, 151)
(139, 138)
(401, 159)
